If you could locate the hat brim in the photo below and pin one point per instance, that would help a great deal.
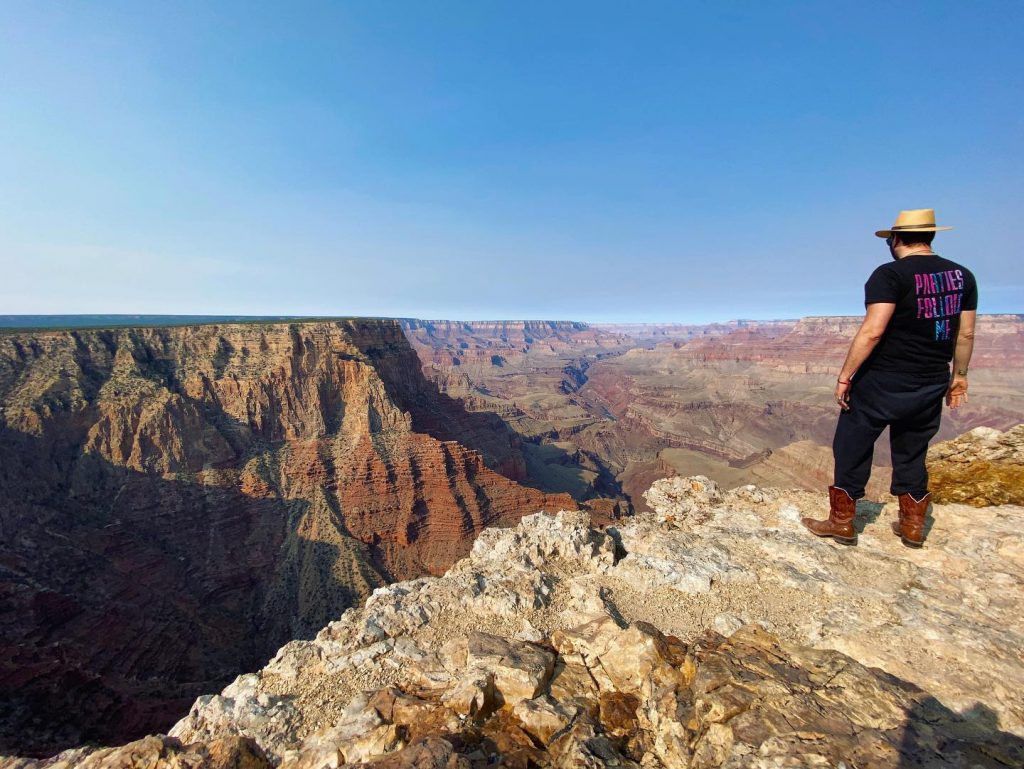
(887, 233)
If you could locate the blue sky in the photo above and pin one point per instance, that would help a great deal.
(591, 161)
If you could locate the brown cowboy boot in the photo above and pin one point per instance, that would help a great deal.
(910, 527)
(839, 525)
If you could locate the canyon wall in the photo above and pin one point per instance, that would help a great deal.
(176, 503)
(529, 373)
(743, 401)
(711, 402)
(472, 344)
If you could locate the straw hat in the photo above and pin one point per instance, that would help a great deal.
(915, 220)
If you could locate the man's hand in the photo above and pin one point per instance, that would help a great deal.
(957, 392)
(843, 395)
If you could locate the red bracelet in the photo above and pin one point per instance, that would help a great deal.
(842, 382)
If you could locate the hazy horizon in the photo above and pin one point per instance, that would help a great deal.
(84, 320)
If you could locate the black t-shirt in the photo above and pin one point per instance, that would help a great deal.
(929, 292)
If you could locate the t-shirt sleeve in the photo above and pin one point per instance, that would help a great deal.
(970, 300)
(882, 286)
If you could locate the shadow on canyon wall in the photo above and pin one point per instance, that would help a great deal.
(125, 595)
(441, 416)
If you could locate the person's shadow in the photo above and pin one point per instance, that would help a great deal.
(867, 513)
(929, 521)
(935, 736)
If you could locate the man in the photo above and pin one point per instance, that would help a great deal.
(921, 311)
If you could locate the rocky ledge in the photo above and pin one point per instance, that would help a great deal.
(712, 632)
(981, 467)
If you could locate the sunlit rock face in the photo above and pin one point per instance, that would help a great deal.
(156, 753)
(942, 617)
(176, 503)
(981, 467)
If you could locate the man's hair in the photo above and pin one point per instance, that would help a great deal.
(914, 238)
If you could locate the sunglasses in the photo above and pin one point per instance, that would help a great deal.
(888, 241)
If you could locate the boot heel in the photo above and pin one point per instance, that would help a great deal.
(845, 540)
(912, 518)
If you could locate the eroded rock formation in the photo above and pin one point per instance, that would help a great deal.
(189, 499)
(717, 399)
(177, 503)
(476, 345)
(157, 753)
(712, 632)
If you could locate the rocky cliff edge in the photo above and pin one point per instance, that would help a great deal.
(712, 632)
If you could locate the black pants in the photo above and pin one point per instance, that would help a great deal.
(911, 406)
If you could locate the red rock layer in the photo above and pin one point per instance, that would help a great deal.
(818, 344)
(175, 504)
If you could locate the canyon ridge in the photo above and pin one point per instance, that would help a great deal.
(177, 503)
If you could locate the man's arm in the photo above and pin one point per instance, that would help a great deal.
(868, 335)
(957, 392)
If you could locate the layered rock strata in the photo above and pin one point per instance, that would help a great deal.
(177, 503)
(742, 402)
(529, 373)
(712, 632)
(472, 345)
(726, 397)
